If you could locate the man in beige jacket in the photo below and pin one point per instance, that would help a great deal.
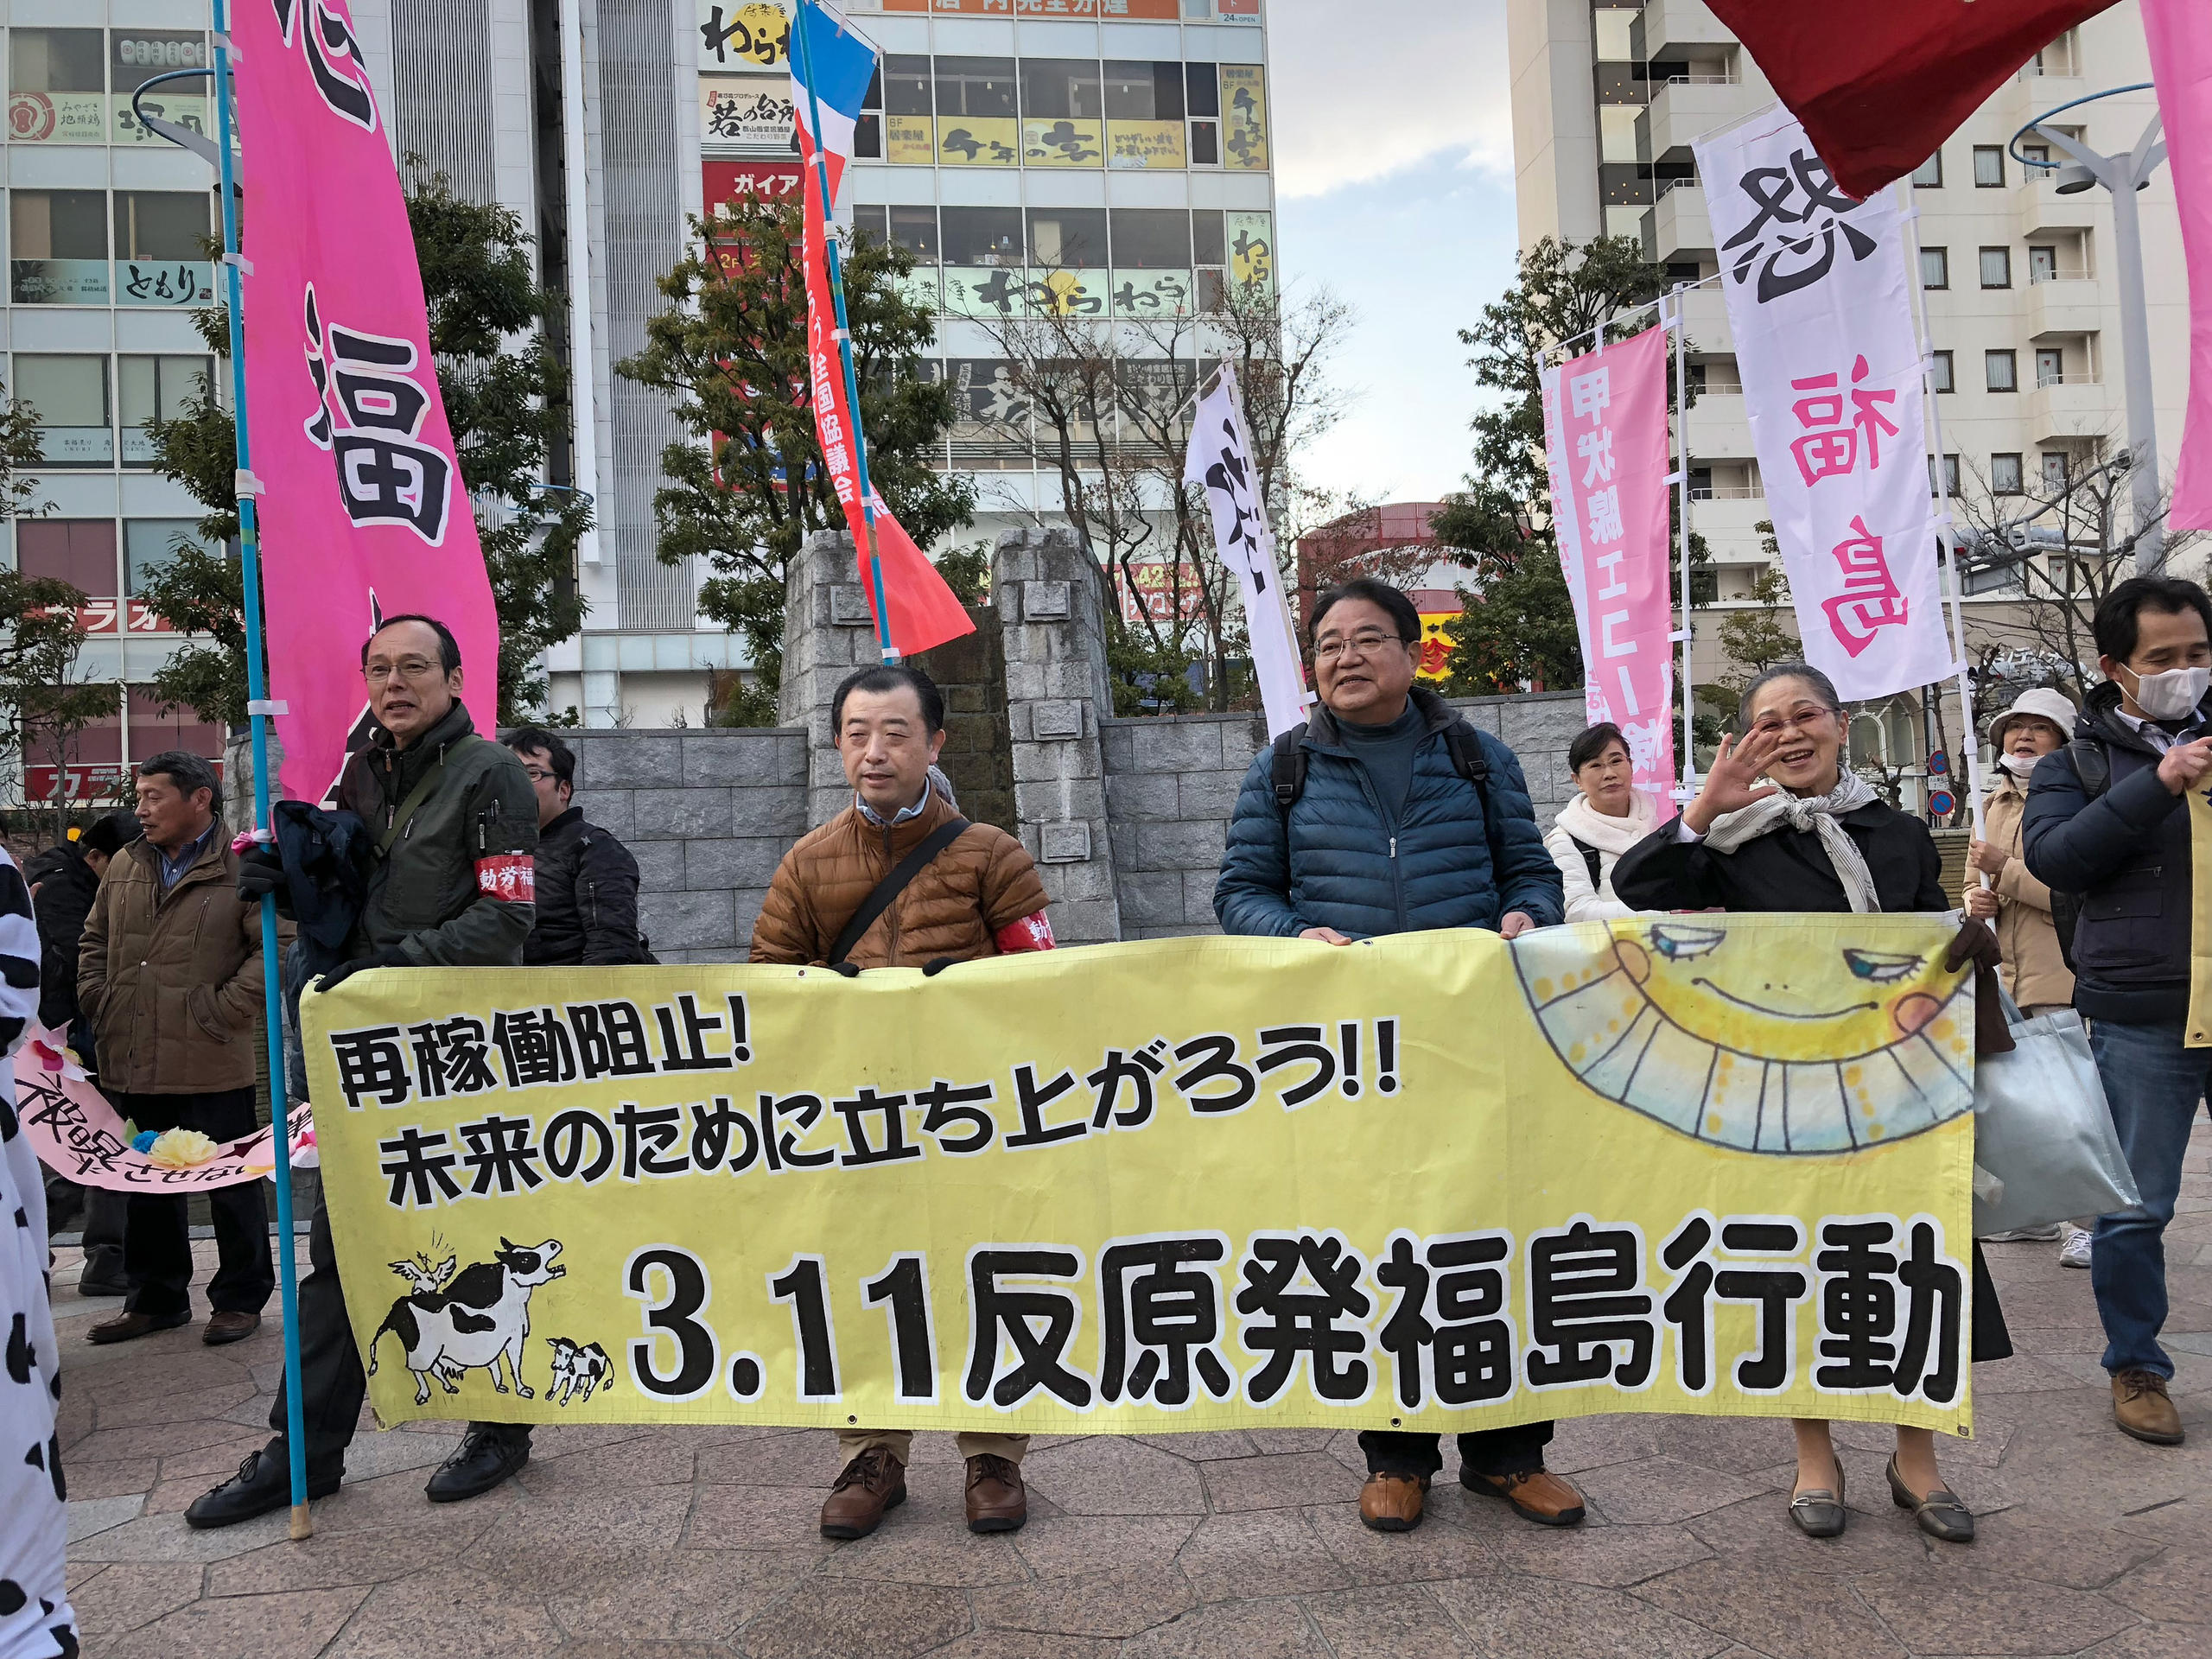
(168, 973)
(2015, 904)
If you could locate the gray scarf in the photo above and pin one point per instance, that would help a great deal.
(1817, 813)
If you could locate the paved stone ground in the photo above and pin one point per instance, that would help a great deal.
(681, 1544)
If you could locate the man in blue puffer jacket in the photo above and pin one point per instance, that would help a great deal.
(1387, 833)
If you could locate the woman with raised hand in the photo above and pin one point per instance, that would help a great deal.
(1606, 818)
(1813, 837)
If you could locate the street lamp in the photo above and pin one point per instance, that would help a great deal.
(2122, 175)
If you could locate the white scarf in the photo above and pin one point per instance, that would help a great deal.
(1817, 813)
(1615, 836)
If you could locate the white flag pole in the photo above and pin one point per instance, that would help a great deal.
(1970, 740)
(1670, 315)
(1282, 601)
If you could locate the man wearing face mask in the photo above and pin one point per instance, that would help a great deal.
(2106, 821)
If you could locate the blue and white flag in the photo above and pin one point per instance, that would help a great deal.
(831, 68)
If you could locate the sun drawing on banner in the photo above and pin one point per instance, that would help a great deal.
(1833, 1048)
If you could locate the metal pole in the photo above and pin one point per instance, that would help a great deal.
(845, 334)
(583, 391)
(2120, 177)
(258, 709)
(1688, 789)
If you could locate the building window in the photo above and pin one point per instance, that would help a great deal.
(1996, 267)
(1950, 474)
(1929, 175)
(2054, 471)
(1152, 239)
(1067, 237)
(1989, 167)
(1935, 268)
(1202, 90)
(2042, 264)
(80, 551)
(161, 239)
(58, 242)
(150, 544)
(155, 389)
(152, 732)
(57, 86)
(1209, 240)
(1144, 91)
(978, 122)
(1940, 371)
(2005, 475)
(982, 236)
(2000, 372)
(909, 134)
(70, 394)
(2050, 365)
(1056, 89)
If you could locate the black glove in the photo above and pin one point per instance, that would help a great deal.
(390, 957)
(931, 969)
(261, 872)
(846, 968)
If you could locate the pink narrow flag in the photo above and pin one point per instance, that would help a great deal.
(2180, 34)
(1606, 441)
(364, 514)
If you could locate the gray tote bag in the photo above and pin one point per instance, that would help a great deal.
(2042, 1128)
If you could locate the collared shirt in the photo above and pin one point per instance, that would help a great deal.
(903, 814)
(2156, 736)
(187, 856)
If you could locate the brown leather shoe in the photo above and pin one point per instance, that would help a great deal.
(1536, 1495)
(2141, 1405)
(997, 1501)
(128, 1327)
(229, 1327)
(871, 1484)
(1392, 1502)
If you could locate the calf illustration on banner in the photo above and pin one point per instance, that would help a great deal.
(1819, 301)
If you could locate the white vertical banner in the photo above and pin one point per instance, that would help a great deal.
(1219, 461)
(1819, 297)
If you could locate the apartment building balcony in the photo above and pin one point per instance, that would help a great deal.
(1688, 108)
(1705, 315)
(1728, 517)
(1682, 229)
(1679, 28)
(1719, 428)
(2064, 306)
(2043, 212)
(2070, 406)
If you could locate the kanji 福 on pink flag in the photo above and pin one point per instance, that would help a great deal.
(1819, 301)
(363, 513)
(1606, 444)
(2180, 34)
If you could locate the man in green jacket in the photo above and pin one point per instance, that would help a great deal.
(452, 887)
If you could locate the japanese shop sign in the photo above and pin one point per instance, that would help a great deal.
(729, 182)
(1243, 117)
(1142, 144)
(1178, 1184)
(1820, 302)
(1162, 11)
(362, 489)
(743, 35)
(745, 111)
(1606, 445)
(1062, 143)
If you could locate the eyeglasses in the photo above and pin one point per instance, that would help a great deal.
(1798, 720)
(537, 776)
(407, 668)
(1366, 642)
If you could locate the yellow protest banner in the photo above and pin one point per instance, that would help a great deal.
(2199, 1032)
(1710, 1164)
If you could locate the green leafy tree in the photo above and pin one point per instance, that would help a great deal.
(1755, 640)
(505, 394)
(747, 483)
(1516, 629)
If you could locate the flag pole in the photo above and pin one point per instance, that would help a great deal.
(1685, 789)
(844, 332)
(258, 709)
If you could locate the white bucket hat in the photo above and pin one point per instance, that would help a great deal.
(2041, 703)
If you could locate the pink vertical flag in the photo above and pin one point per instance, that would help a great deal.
(2180, 34)
(364, 514)
(1605, 441)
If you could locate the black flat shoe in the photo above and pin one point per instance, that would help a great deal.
(1940, 1514)
(1819, 1512)
(263, 1483)
(481, 1462)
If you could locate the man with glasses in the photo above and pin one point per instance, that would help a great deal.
(587, 881)
(1388, 813)
(454, 822)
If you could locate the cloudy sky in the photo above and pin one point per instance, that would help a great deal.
(1394, 181)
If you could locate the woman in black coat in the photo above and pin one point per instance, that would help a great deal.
(1816, 838)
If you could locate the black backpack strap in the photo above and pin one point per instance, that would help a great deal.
(893, 885)
(1589, 857)
(1467, 757)
(2092, 764)
(1289, 768)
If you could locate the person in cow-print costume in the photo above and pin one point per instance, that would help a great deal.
(35, 1620)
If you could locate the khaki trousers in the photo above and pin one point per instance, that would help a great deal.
(851, 1442)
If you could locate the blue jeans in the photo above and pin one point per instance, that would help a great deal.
(2153, 1085)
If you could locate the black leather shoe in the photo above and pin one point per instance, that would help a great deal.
(263, 1483)
(481, 1461)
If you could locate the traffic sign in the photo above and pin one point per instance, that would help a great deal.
(1938, 764)
(1940, 803)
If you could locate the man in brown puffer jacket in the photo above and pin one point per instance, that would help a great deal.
(978, 896)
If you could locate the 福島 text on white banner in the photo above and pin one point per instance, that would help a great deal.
(1820, 302)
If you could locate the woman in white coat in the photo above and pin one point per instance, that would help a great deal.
(1600, 823)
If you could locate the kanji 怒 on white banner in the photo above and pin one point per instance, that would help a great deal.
(1820, 302)
(1605, 448)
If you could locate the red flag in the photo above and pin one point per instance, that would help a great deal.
(923, 611)
(1880, 85)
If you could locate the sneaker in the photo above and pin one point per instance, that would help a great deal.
(2075, 1251)
(2024, 1235)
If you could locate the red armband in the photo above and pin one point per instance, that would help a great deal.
(1032, 932)
(510, 876)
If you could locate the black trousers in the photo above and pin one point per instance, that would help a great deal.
(1516, 1451)
(108, 1215)
(332, 1385)
(156, 1242)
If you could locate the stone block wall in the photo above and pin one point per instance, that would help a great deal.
(978, 753)
(706, 814)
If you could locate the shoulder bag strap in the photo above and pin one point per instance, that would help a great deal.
(893, 885)
(419, 794)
